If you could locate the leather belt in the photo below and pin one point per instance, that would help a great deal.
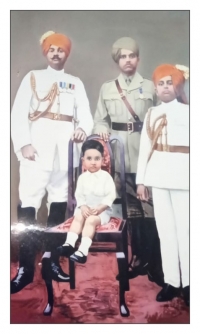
(52, 116)
(171, 148)
(130, 126)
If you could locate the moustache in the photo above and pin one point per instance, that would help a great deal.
(55, 57)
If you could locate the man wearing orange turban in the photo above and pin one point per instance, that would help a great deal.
(163, 164)
(51, 107)
(178, 74)
(59, 40)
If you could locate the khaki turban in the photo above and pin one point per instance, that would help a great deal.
(124, 43)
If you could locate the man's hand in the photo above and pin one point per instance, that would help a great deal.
(78, 136)
(28, 152)
(142, 192)
(86, 211)
(104, 136)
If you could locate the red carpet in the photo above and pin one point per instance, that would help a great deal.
(95, 299)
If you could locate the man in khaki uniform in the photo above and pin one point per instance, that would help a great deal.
(121, 109)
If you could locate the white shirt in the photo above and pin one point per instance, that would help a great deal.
(45, 134)
(95, 188)
(166, 169)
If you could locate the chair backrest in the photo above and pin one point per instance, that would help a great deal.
(108, 165)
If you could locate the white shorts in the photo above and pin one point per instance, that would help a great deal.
(104, 216)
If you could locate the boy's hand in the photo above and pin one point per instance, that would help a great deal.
(86, 211)
(99, 209)
(95, 211)
(142, 193)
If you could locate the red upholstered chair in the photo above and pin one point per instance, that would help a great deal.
(114, 232)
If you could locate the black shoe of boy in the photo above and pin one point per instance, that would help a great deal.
(80, 259)
(65, 250)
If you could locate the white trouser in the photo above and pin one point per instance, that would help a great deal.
(171, 208)
(34, 181)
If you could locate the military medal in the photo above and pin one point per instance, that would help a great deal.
(70, 86)
(141, 96)
(63, 87)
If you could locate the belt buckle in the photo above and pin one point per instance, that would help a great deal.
(56, 116)
(130, 127)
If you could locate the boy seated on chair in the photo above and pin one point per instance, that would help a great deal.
(95, 193)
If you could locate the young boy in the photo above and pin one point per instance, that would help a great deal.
(164, 165)
(94, 194)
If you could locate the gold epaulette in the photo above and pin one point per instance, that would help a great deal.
(51, 96)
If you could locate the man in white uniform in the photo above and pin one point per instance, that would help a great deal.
(163, 164)
(51, 107)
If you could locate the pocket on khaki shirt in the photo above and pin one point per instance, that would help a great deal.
(114, 106)
(142, 104)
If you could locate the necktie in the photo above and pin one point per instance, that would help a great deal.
(128, 81)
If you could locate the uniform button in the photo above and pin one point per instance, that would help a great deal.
(129, 92)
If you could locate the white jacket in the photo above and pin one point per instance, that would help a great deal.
(44, 134)
(167, 170)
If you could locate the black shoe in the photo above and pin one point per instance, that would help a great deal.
(65, 250)
(58, 274)
(186, 295)
(56, 213)
(52, 270)
(77, 258)
(167, 293)
(23, 278)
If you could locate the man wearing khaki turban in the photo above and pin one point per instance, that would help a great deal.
(50, 107)
(113, 116)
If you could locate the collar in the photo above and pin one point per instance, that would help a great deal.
(96, 174)
(126, 77)
(169, 105)
(136, 82)
(55, 72)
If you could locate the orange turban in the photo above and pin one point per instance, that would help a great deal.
(52, 38)
(178, 74)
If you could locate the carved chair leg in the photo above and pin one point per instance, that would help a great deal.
(49, 307)
(122, 260)
(123, 284)
(72, 274)
(46, 275)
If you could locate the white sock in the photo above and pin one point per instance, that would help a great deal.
(71, 239)
(84, 246)
(46, 255)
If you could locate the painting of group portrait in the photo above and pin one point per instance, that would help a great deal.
(100, 167)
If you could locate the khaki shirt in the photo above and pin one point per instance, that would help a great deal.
(111, 108)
